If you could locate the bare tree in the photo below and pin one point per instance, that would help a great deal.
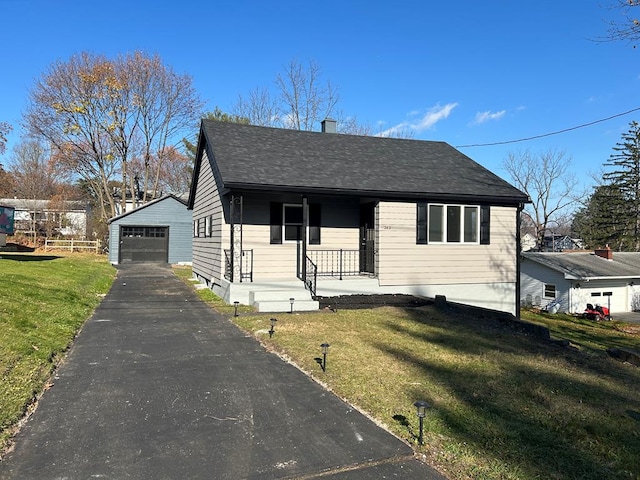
(301, 99)
(304, 99)
(36, 179)
(550, 184)
(259, 107)
(101, 114)
(627, 29)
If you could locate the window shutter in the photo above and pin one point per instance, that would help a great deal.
(314, 224)
(485, 224)
(276, 223)
(421, 224)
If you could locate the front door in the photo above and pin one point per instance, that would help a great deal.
(367, 238)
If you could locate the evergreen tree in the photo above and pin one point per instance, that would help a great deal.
(599, 223)
(625, 177)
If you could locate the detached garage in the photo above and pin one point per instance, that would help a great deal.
(568, 281)
(157, 232)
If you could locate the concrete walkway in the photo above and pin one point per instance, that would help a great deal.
(159, 386)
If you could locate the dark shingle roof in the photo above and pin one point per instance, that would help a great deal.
(250, 157)
(587, 265)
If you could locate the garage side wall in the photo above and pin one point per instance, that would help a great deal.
(533, 278)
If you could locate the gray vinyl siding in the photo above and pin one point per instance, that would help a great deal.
(208, 254)
(166, 212)
(403, 262)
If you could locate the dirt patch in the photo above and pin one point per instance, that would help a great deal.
(357, 302)
(630, 329)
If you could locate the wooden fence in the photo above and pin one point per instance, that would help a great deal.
(72, 245)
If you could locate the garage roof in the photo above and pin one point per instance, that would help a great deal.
(589, 266)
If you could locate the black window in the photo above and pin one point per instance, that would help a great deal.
(286, 223)
(549, 290)
(452, 224)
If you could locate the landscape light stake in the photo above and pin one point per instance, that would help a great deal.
(422, 406)
(325, 349)
(273, 325)
(291, 300)
(235, 308)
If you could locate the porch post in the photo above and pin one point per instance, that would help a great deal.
(305, 223)
(236, 238)
(518, 250)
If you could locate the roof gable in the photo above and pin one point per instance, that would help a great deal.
(249, 157)
(148, 204)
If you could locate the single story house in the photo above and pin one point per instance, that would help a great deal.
(67, 218)
(158, 231)
(284, 216)
(570, 280)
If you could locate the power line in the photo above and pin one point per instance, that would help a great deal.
(550, 133)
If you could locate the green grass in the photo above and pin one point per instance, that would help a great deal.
(503, 405)
(587, 335)
(44, 300)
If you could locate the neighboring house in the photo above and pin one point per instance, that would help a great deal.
(133, 202)
(276, 210)
(61, 218)
(553, 242)
(528, 242)
(572, 279)
(158, 231)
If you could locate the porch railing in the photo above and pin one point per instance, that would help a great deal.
(335, 263)
(311, 278)
(246, 265)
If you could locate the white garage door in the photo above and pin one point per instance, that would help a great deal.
(613, 297)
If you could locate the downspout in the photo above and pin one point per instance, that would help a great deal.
(518, 255)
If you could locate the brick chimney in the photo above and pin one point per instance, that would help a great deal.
(605, 253)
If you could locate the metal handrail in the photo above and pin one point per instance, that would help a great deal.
(310, 281)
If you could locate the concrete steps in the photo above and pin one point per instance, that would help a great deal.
(278, 300)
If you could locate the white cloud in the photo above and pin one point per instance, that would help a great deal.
(482, 117)
(425, 122)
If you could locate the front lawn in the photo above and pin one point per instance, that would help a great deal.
(44, 300)
(503, 405)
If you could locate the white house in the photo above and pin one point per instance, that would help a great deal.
(573, 279)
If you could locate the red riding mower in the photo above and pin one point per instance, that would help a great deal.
(597, 312)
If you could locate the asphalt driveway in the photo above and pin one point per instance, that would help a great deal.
(159, 386)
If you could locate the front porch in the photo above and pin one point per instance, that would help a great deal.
(275, 295)
(320, 273)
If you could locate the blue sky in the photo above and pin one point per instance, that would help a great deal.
(464, 72)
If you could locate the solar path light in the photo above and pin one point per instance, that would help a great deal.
(235, 308)
(421, 407)
(272, 330)
(291, 301)
(325, 350)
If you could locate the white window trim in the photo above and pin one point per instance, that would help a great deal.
(544, 290)
(444, 224)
